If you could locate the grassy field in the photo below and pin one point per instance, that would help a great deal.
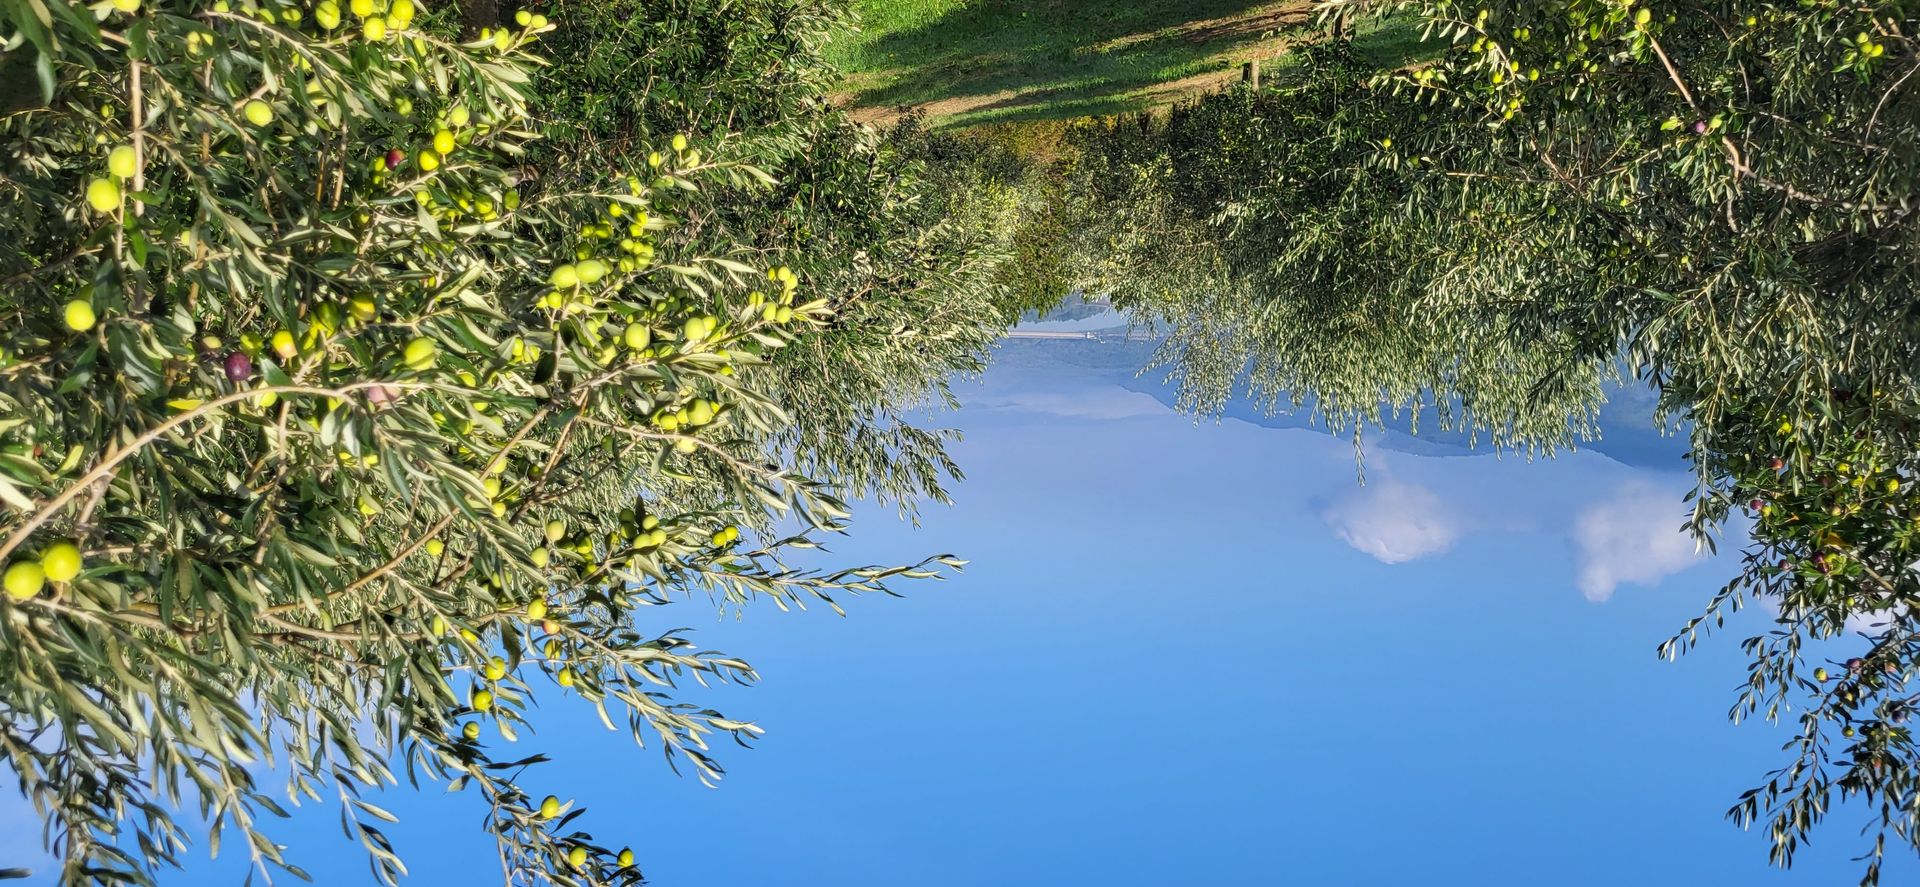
(969, 62)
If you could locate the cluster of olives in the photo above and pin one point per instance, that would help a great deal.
(104, 193)
(453, 128)
(467, 206)
(503, 40)
(636, 249)
(59, 564)
(377, 17)
(638, 529)
(777, 309)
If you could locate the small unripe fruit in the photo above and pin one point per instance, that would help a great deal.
(496, 669)
(565, 677)
(24, 580)
(1820, 674)
(420, 354)
(327, 14)
(540, 557)
(435, 548)
(549, 807)
(471, 730)
(538, 608)
(127, 6)
(103, 195)
(80, 316)
(679, 143)
(123, 162)
(523, 18)
(443, 142)
(458, 115)
(625, 859)
(578, 857)
(565, 277)
(374, 29)
(637, 336)
(556, 530)
(482, 700)
(258, 113)
(590, 270)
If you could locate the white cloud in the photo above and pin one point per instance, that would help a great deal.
(1394, 522)
(1636, 536)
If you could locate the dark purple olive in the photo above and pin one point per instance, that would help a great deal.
(239, 366)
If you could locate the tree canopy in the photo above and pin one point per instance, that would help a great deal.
(1713, 198)
(340, 421)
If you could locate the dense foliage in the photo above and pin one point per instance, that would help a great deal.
(904, 255)
(1714, 197)
(334, 428)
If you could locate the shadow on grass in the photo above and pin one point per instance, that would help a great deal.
(1064, 48)
(1386, 44)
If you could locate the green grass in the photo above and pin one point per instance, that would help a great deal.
(1048, 58)
(986, 61)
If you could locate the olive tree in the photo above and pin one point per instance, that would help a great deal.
(903, 247)
(1713, 197)
(332, 434)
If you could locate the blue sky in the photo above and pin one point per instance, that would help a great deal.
(1200, 653)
